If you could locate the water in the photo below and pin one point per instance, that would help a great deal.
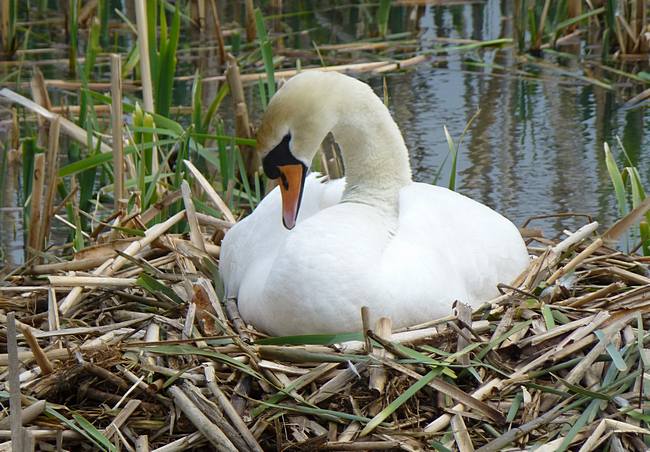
(535, 147)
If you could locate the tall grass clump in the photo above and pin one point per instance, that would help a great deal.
(162, 56)
(629, 192)
(537, 23)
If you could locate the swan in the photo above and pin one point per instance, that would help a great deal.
(314, 252)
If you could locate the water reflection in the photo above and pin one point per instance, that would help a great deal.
(535, 147)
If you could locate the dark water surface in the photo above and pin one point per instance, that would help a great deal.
(535, 147)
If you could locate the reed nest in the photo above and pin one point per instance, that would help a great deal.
(131, 346)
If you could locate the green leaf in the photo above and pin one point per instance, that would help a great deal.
(581, 422)
(399, 401)
(100, 158)
(154, 287)
(548, 317)
(514, 408)
(584, 392)
(167, 64)
(94, 433)
(454, 159)
(326, 414)
(424, 359)
(182, 349)
(267, 52)
(224, 89)
(226, 139)
(311, 339)
(383, 13)
(439, 446)
(49, 411)
(498, 340)
(617, 180)
(613, 352)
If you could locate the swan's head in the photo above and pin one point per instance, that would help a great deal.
(298, 118)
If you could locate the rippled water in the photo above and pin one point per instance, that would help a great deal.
(535, 147)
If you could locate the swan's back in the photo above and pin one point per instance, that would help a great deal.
(448, 247)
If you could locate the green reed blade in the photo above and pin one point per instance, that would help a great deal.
(50, 411)
(267, 52)
(514, 408)
(73, 33)
(152, 21)
(181, 350)
(99, 159)
(579, 424)
(311, 339)
(454, 159)
(261, 85)
(617, 180)
(29, 149)
(167, 63)
(399, 401)
(197, 102)
(103, 11)
(224, 90)
(155, 287)
(92, 431)
(383, 14)
(244, 179)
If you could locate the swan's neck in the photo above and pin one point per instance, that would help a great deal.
(374, 155)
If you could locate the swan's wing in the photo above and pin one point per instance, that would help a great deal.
(251, 245)
(451, 247)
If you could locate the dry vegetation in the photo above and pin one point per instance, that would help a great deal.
(140, 351)
(120, 338)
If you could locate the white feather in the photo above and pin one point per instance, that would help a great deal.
(406, 250)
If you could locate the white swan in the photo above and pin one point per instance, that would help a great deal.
(406, 250)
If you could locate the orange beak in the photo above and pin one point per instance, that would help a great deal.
(292, 181)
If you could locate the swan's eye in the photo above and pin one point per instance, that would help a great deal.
(279, 156)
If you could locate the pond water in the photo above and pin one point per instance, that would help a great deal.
(535, 147)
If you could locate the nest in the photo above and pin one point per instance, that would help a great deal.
(131, 346)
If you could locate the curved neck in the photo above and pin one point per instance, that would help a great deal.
(374, 154)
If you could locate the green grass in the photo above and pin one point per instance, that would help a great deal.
(73, 33)
(383, 14)
(629, 192)
(267, 57)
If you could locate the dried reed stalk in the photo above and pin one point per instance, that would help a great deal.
(76, 132)
(218, 32)
(52, 165)
(252, 396)
(15, 403)
(251, 31)
(119, 193)
(35, 206)
(242, 122)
